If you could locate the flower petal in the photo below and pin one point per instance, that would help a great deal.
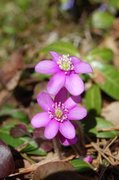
(65, 141)
(67, 130)
(69, 142)
(83, 67)
(55, 56)
(46, 67)
(62, 95)
(88, 159)
(75, 60)
(44, 100)
(77, 113)
(51, 129)
(56, 83)
(69, 103)
(76, 99)
(40, 120)
(74, 84)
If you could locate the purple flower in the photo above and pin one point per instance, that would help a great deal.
(65, 69)
(88, 159)
(103, 7)
(67, 5)
(57, 115)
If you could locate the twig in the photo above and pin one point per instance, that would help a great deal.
(27, 158)
(102, 173)
(100, 151)
(111, 156)
(90, 145)
(114, 139)
(108, 129)
(99, 154)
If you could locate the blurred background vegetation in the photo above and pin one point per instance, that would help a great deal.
(35, 23)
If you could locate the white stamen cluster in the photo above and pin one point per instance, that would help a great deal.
(65, 63)
(58, 112)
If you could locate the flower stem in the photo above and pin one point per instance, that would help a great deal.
(57, 148)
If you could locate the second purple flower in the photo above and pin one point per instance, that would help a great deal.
(57, 116)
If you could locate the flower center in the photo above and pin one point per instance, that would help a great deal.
(65, 63)
(58, 112)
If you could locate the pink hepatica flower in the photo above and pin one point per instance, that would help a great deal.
(57, 116)
(65, 69)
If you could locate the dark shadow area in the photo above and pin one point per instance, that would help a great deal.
(23, 95)
(67, 175)
(89, 122)
(18, 159)
(109, 173)
(64, 175)
(20, 177)
(79, 7)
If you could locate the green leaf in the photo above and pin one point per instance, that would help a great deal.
(114, 3)
(102, 20)
(93, 99)
(40, 77)
(14, 142)
(30, 148)
(100, 54)
(107, 77)
(24, 5)
(38, 152)
(80, 165)
(61, 47)
(14, 113)
(101, 124)
(9, 29)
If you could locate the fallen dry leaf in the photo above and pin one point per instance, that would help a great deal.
(98, 77)
(115, 28)
(11, 70)
(110, 42)
(111, 113)
(4, 95)
(57, 170)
